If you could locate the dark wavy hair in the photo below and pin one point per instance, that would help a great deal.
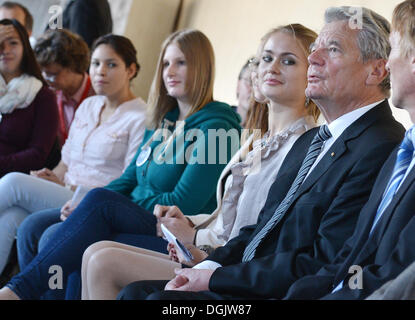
(28, 65)
(63, 47)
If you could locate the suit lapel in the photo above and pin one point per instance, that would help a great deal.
(338, 149)
(372, 242)
(380, 229)
(335, 152)
(363, 245)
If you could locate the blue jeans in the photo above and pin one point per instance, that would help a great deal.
(29, 234)
(102, 215)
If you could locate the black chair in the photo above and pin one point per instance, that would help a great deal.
(54, 155)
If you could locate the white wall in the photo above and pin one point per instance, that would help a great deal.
(236, 26)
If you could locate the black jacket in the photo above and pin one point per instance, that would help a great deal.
(382, 256)
(321, 217)
(88, 18)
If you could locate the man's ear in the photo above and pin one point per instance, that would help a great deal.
(377, 72)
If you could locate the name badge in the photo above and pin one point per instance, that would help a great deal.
(143, 156)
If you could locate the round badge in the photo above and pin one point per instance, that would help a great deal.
(143, 156)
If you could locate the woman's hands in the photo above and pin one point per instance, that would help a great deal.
(176, 222)
(6, 31)
(174, 219)
(66, 210)
(47, 174)
(175, 255)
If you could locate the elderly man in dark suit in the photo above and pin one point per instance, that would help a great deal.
(383, 244)
(324, 181)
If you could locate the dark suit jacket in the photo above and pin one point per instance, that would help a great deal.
(321, 216)
(88, 18)
(383, 255)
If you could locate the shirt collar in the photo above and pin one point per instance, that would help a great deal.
(340, 124)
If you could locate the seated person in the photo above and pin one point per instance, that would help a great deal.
(64, 60)
(107, 130)
(246, 181)
(304, 224)
(168, 169)
(243, 93)
(377, 261)
(28, 112)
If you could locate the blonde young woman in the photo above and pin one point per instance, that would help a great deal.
(171, 167)
(281, 76)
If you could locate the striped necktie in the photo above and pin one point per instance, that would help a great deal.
(310, 158)
(403, 160)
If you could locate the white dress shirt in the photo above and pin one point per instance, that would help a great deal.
(338, 126)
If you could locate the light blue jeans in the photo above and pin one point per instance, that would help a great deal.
(20, 195)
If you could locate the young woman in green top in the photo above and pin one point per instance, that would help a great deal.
(189, 141)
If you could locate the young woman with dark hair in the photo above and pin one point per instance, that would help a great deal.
(175, 165)
(107, 130)
(28, 114)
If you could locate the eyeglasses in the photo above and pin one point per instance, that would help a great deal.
(50, 75)
(49, 78)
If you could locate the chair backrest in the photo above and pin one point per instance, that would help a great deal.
(54, 155)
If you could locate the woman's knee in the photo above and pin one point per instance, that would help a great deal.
(93, 249)
(11, 182)
(13, 178)
(98, 193)
(102, 264)
(48, 234)
(28, 226)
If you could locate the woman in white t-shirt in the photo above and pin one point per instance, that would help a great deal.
(103, 138)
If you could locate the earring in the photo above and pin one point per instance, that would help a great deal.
(307, 101)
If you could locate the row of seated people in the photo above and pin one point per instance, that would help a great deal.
(287, 220)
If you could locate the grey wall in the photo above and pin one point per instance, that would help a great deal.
(39, 10)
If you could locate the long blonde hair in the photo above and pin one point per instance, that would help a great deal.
(200, 61)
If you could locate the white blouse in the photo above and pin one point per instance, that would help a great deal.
(247, 186)
(96, 154)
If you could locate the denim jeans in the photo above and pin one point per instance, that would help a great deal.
(102, 215)
(20, 195)
(30, 232)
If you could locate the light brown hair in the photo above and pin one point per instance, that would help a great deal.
(200, 60)
(403, 21)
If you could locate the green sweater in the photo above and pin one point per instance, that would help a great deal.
(186, 173)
